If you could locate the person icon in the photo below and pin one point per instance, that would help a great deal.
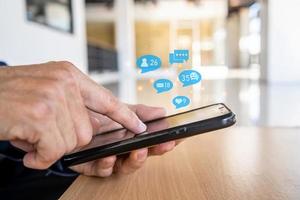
(144, 63)
(194, 76)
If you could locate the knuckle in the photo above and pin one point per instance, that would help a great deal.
(113, 104)
(107, 162)
(64, 72)
(33, 137)
(41, 109)
(66, 65)
(84, 138)
(49, 87)
(21, 132)
(53, 90)
(17, 132)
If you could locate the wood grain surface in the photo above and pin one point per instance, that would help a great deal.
(236, 163)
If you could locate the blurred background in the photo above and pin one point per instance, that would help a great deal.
(246, 50)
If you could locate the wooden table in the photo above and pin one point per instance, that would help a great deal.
(238, 163)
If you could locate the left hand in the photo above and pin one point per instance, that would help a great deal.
(106, 166)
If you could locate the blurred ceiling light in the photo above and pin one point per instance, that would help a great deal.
(220, 34)
(254, 44)
(152, 80)
(255, 25)
(254, 10)
(250, 44)
(140, 88)
(243, 44)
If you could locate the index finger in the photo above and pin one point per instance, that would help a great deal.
(102, 101)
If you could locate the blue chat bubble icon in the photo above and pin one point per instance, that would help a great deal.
(163, 85)
(181, 101)
(148, 63)
(189, 77)
(179, 56)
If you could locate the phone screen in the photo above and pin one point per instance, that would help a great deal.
(159, 125)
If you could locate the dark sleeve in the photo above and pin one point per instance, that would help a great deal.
(2, 64)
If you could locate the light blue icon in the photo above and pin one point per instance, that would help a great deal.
(181, 101)
(163, 85)
(189, 77)
(179, 56)
(148, 63)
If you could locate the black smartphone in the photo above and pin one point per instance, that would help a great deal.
(182, 125)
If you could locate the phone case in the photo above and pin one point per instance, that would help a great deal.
(152, 139)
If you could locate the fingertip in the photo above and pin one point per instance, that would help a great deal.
(141, 154)
(141, 127)
(105, 172)
(168, 146)
(107, 162)
(163, 148)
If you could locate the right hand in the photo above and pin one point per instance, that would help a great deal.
(44, 110)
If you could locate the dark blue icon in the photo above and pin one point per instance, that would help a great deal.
(163, 85)
(189, 77)
(181, 101)
(179, 56)
(148, 63)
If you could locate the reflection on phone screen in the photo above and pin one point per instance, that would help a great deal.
(158, 125)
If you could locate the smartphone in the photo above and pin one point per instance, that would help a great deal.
(182, 125)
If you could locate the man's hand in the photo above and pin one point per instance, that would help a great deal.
(44, 110)
(106, 166)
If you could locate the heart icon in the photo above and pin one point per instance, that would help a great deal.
(178, 101)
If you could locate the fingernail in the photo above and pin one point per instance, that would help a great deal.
(142, 127)
(142, 154)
